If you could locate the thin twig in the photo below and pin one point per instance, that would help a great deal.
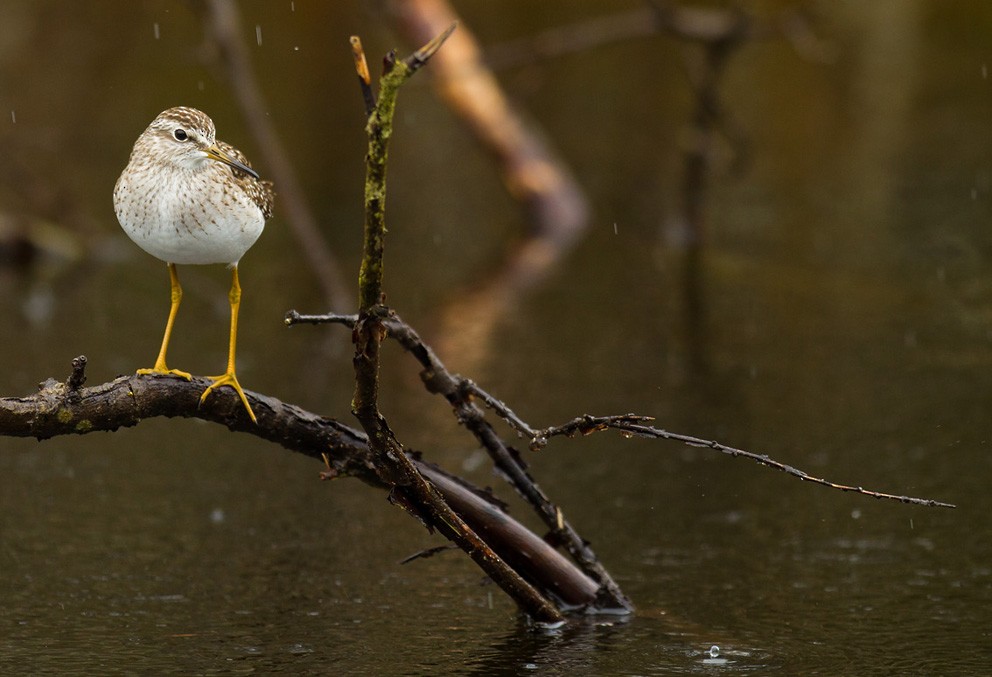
(631, 424)
(416, 60)
(364, 79)
(628, 424)
(439, 380)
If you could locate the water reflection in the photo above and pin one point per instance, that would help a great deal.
(846, 327)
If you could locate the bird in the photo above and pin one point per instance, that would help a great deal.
(187, 198)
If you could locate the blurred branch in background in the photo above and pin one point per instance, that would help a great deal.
(658, 17)
(530, 170)
(532, 173)
(223, 22)
(711, 37)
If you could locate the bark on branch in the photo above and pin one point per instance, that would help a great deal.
(67, 408)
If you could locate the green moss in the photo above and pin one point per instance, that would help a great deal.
(84, 426)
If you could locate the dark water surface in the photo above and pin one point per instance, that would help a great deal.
(844, 328)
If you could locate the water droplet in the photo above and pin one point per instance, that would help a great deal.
(155, 28)
(217, 516)
(13, 117)
(258, 35)
(714, 651)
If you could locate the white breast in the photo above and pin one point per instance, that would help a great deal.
(188, 217)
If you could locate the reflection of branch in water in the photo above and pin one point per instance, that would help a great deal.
(530, 171)
(467, 322)
(533, 175)
(711, 37)
(687, 229)
(715, 36)
(224, 23)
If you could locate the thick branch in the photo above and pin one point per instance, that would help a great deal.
(532, 173)
(456, 390)
(66, 408)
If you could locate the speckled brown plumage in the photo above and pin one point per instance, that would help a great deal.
(185, 197)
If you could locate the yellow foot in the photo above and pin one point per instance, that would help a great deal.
(165, 371)
(229, 380)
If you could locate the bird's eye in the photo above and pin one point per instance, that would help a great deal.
(180, 134)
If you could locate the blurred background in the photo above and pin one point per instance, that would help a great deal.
(769, 226)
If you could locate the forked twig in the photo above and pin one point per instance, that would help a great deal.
(628, 424)
(410, 488)
(632, 425)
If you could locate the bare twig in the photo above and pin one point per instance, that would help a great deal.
(410, 488)
(438, 380)
(632, 425)
(429, 552)
(362, 69)
(416, 60)
(78, 376)
(629, 424)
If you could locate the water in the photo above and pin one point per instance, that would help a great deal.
(841, 326)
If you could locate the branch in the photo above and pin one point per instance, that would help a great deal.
(633, 425)
(395, 468)
(437, 379)
(362, 69)
(629, 424)
(66, 408)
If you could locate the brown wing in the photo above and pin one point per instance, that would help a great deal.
(260, 192)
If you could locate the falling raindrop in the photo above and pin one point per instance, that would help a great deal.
(199, 85)
(292, 6)
(155, 27)
(13, 117)
(258, 34)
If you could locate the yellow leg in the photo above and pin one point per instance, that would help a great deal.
(177, 296)
(229, 378)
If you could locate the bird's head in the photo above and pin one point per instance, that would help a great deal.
(185, 138)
